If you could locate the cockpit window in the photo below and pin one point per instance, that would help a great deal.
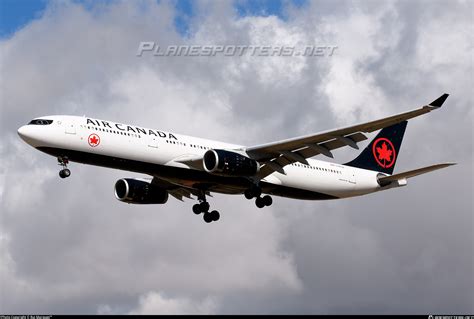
(41, 122)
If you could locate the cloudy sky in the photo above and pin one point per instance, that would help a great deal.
(68, 246)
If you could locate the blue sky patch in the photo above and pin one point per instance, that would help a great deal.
(184, 13)
(265, 7)
(15, 14)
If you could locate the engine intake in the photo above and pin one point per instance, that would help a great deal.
(227, 163)
(135, 191)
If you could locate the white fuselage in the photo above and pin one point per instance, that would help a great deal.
(157, 153)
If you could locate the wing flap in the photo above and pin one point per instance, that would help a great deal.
(306, 152)
(174, 190)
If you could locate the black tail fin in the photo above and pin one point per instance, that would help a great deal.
(381, 154)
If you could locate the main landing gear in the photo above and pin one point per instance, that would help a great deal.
(203, 207)
(63, 161)
(256, 192)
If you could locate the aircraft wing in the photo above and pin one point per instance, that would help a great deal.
(176, 191)
(274, 156)
(193, 161)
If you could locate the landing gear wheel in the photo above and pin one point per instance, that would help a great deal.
(208, 217)
(197, 209)
(267, 200)
(260, 202)
(215, 215)
(253, 192)
(63, 161)
(204, 206)
(248, 194)
(64, 173)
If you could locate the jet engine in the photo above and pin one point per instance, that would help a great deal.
(227, 163)
(136, 191)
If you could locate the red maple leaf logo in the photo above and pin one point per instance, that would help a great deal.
(94, 140)
(384, 152)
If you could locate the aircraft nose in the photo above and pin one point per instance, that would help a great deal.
(22, 132)
(26, 134)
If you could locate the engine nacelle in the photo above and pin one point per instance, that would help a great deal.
(227, 163)
(135, 191)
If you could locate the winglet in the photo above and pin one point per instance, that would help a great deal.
(439, 101)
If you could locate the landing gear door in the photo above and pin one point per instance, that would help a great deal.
(70, 128)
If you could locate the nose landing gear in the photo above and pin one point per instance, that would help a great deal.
(63, 161)
(64, 173)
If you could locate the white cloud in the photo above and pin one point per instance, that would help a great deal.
(73, 248)
(353, 93)
(155, 303)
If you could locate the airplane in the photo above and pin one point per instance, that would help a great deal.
(186, 167)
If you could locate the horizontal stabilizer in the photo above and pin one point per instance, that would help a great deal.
(392, 178)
